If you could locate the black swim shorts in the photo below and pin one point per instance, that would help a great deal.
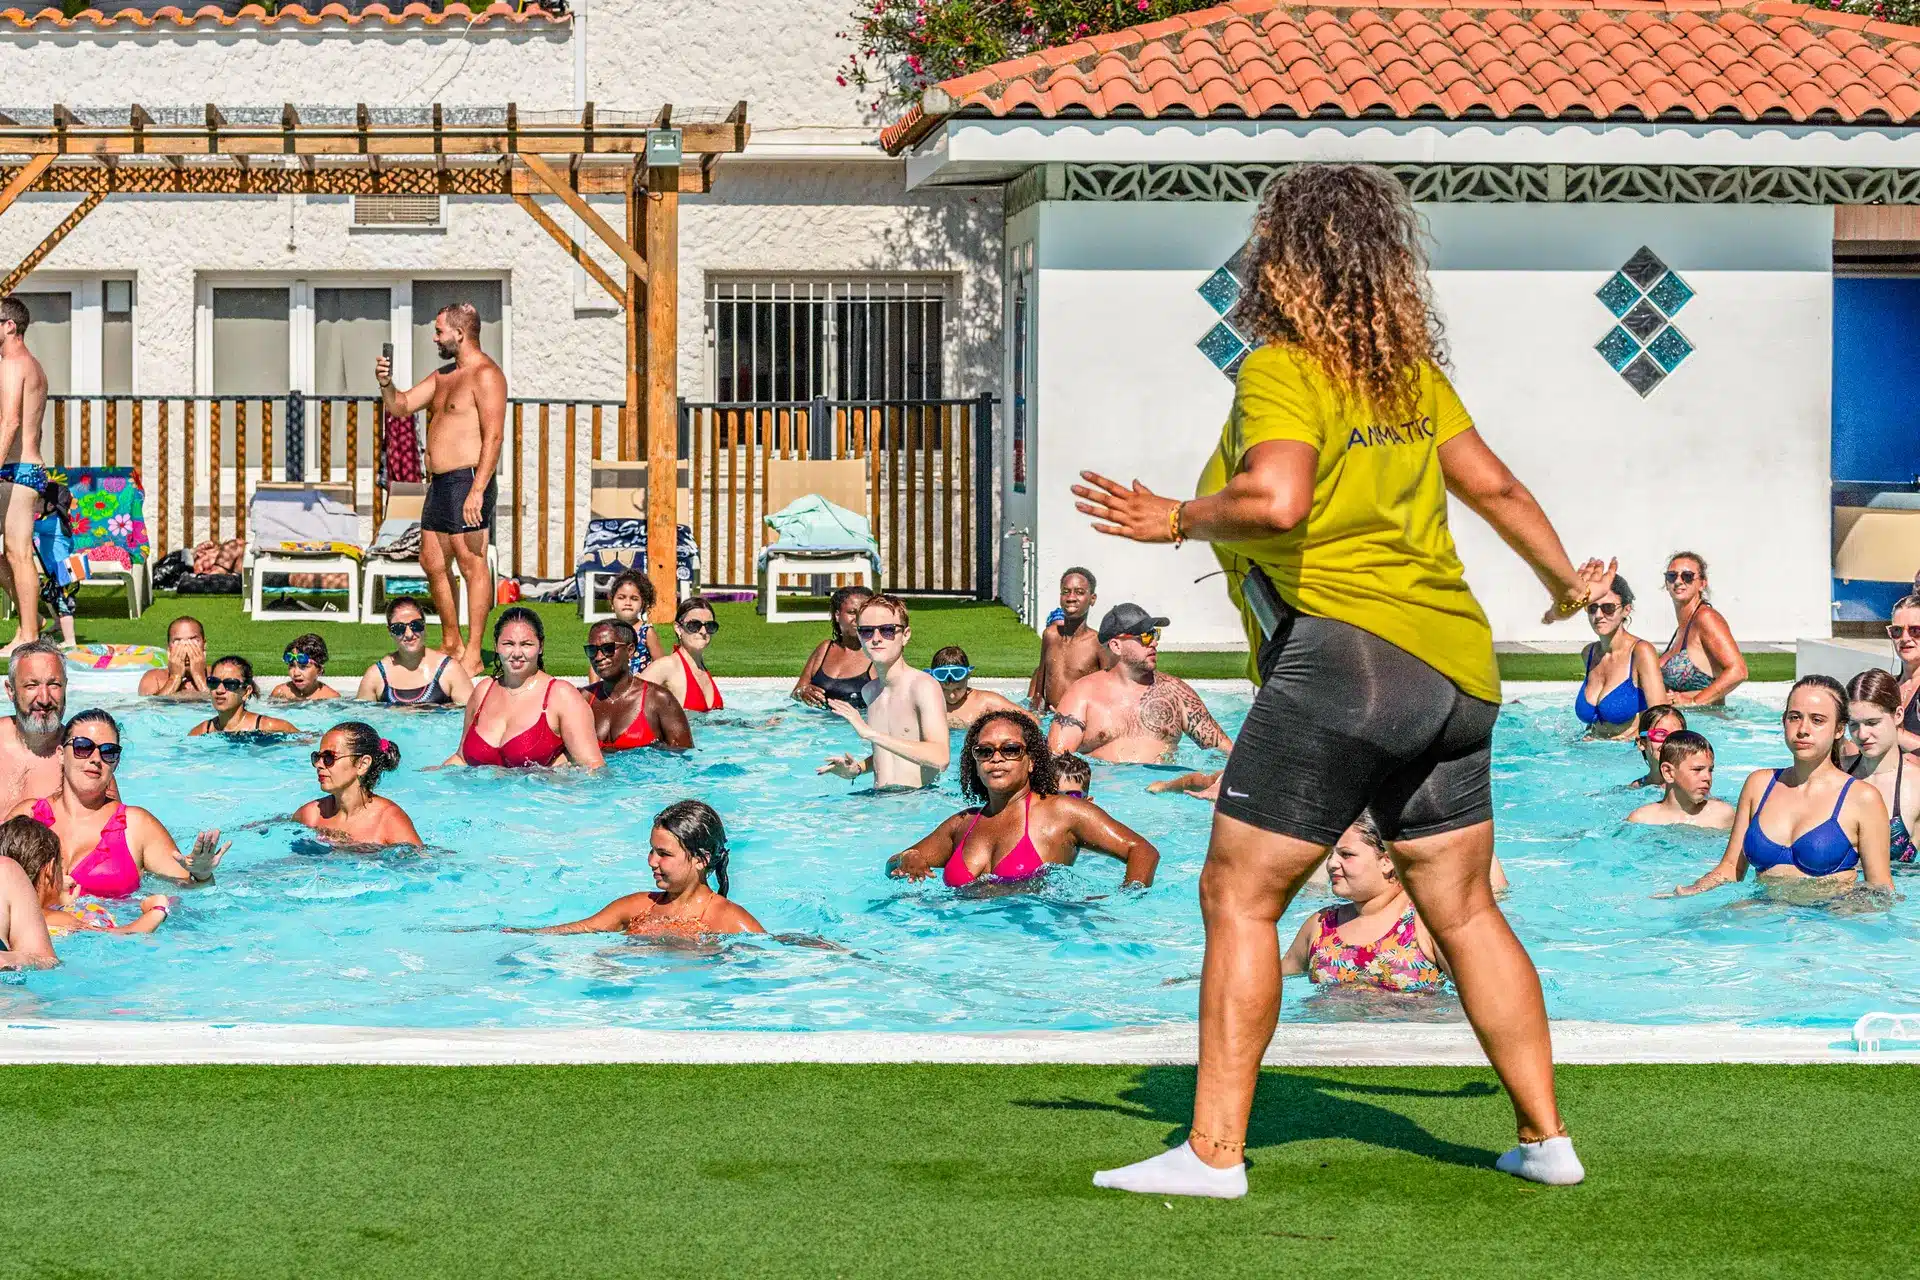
(446, 496)
(1345, 722)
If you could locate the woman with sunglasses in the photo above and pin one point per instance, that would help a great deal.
(536, 721)
(629, 711)
(838, 669)
(351, 758)
(229, 685)
(1701, 664)
(1623, 671)
(401, 679)
(1021, 824)
(1827, 835)
(684, 672)
(107, 846)
(965, 704)
(1903, 628)
(1650, 732)
(1326, 500)
(306, 659)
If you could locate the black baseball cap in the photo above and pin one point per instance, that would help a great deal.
(1127, 620)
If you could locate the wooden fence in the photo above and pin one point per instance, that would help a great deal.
(928, 467)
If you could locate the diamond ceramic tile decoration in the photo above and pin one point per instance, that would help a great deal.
(1618, 295)
(1643, 321)
(1643, 375)
(1221, 291)
(1671, 294)
(1224, 347)
(1670, 348)
(1617, 348)
(1644, 267)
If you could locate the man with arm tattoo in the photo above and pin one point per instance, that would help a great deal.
(1132, 713)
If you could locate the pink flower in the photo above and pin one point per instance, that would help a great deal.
(1141, 6)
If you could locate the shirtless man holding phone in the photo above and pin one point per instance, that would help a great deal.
(23, 476)
(466, 404)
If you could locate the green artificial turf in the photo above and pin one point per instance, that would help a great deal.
(1735, 1171)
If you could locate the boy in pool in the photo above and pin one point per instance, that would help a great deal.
(306, 660)
(1074, 777)
(1686, 769)
(37, 849)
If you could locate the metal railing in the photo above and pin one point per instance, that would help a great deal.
(928, 462)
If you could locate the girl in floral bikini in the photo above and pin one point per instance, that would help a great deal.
(1398, 954)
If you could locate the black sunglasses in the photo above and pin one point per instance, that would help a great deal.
(710, 627)
(602, 650)
(1680, 575)
(885, 631)
(327, 759)
(418, 627)
(85, 747)
(985, 751)
(232, 684)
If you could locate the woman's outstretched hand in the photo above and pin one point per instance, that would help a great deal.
(1137, 513)
(1589, 580)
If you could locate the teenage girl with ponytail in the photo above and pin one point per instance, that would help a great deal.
(348, 765)
(689, 845)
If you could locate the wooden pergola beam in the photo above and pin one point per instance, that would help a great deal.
(23, 179)
(585, 212)
(571, 248)
(222, 137)
(53, 238)
(176, 177)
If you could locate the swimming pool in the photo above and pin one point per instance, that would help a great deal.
(293, 933)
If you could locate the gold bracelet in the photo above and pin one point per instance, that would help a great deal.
(1567, 608)
(1175, 525)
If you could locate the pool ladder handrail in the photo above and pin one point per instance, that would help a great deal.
(1873, 1028)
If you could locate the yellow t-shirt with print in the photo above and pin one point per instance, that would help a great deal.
(1375, 551)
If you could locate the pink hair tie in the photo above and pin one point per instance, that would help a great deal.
(385, 745)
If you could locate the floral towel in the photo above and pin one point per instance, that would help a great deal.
(109, 513)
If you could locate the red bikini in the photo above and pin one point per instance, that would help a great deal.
(696, 696)
(638, 734)
(535, 747)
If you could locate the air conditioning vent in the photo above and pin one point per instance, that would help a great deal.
(397, 211)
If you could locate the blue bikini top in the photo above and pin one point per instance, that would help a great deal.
(1819, 852)
(1617, 705)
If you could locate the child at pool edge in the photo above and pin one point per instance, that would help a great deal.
(1399, 956)
(1074, 776)
(37, 849)
(306, 659)
(1686, 770)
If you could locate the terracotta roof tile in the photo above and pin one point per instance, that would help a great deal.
(286, 15)
(1630, 59)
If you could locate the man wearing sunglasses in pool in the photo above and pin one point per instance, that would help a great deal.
(1131, 714)
(306, 659)
(906, 719)
(965, 704)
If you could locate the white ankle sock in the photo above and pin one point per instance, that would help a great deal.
(1178, 1172)
(1550, 1160)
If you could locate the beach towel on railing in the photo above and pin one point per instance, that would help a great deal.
(402, 450)
(614, 546)
(109, 513)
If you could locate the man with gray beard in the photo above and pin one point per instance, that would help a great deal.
(30, 738)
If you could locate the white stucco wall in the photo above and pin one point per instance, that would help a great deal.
(1728, 457)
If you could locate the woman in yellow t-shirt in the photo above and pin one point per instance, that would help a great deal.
(1327, 504)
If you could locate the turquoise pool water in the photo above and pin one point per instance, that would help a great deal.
(294, 933)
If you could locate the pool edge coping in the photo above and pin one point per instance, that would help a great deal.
(27, 1042)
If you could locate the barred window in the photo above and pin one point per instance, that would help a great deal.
(864, 338)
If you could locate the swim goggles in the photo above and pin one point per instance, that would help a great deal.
(293, 659)
(952, 673)
(1657, 736)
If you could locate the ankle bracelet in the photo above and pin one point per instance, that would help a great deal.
(1210, 1140)
(1559, 1132)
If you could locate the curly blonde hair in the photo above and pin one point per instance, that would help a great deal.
(1335, 268)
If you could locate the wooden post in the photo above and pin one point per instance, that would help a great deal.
(629, 433)
(663, 392)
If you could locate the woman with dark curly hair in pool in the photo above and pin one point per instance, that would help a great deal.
(1326, 500)
(348, 765)
(1623, 671)
(838, 668)
(520, 717)
(1806, 830)
(1701, 664)
(1022, 824)
(689, 846)
(229, 685)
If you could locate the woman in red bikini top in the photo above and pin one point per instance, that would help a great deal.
(684, 671)
(628, 711)
(106, 846)
(521, 717)
(1023, 823)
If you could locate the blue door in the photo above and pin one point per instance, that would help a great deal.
(1876, 380)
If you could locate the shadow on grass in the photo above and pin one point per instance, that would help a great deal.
(1294, 1106)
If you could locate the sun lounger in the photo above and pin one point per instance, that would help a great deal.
(302, 529)
(841, 544)
(616, 538)
(395, 554)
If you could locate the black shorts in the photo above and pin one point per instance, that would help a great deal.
(1345, 722)
(447, 494)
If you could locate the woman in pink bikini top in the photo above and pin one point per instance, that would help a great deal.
(107, 846)
(562, 722)
(1022, 823)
